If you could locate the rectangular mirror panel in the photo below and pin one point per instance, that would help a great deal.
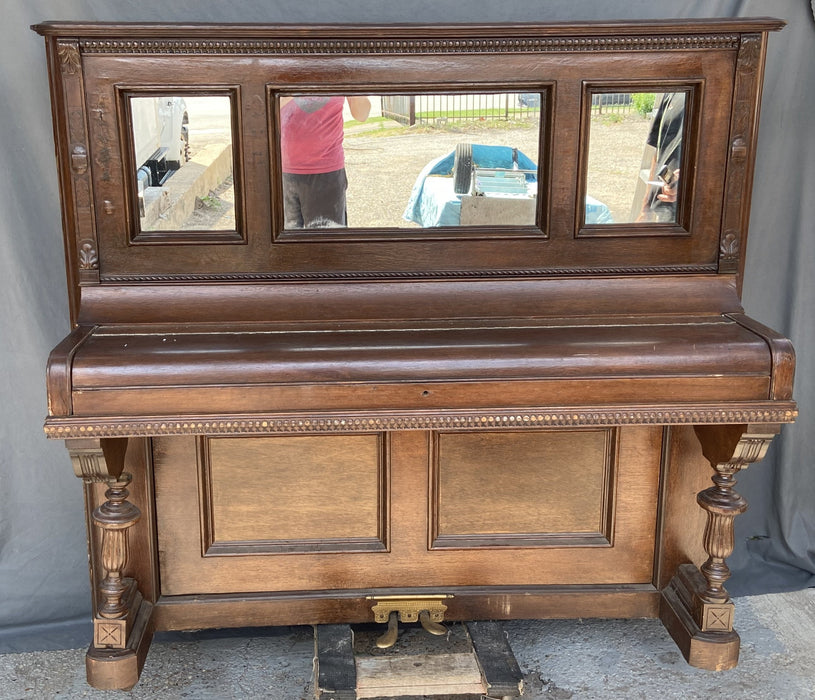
(183, 154)
(635, 149)
(410, 161)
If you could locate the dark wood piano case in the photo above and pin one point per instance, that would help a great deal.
(282, 425)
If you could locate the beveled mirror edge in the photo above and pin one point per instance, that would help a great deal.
(693, 90)
(538, 229)
(138, 236)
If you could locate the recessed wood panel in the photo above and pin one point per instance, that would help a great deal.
(293, 494)
(409, 562)
(542, 488)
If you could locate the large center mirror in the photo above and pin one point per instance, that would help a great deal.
(410, 161)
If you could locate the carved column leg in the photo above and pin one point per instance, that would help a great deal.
(696, 607)
(121, 599)
(713, 609)
(121, 624)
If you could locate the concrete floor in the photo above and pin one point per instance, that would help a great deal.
(561, 659)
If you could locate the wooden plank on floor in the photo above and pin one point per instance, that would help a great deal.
(430, 674)
(501, 671)
(334, 669)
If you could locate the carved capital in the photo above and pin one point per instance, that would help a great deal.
(749, 53)
(730, 448)
(97, 459)
(69, 57)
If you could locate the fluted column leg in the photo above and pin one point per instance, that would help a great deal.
(696, 607)
(115, 517)
(122, 627)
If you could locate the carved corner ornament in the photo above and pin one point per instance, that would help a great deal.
(69, 58)
(749, 53)
(729, 247)
(88, 257)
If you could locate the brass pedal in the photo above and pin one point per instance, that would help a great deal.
(428, 610)
(430, 626)
(387, 640)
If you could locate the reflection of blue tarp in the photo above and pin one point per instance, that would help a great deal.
(597, 212)
(433, 201)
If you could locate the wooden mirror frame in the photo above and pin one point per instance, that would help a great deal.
(96, 62)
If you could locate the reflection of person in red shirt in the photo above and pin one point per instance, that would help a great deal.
(313, 160)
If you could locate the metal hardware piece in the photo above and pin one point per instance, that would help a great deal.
(387, 640)
(409, 607)
(427, 609)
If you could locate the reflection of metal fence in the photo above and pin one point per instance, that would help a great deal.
(617, 102)
(441, 109)
(400, 108)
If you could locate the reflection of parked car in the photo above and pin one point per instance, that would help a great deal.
(529, 99)
(160, 139)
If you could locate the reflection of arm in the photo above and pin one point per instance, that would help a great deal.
(667, 192)
(649, 193)
(360, 107)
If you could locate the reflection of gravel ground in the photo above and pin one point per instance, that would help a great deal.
(616, 153)
(215, 212)
(383, 169)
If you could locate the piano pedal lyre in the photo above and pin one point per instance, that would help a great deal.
(428, 610)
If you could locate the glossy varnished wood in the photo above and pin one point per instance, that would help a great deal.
(537, 421)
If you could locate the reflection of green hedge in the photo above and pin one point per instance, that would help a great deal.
(643, 102)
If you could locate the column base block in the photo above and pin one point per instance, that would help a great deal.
(710, 650)
(119, 669)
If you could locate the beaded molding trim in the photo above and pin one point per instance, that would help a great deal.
(65, 428)
(383, 275)
(679, 42)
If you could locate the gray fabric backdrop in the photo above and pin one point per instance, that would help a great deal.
(44, 598)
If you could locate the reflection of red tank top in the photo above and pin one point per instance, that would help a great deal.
(311, 134)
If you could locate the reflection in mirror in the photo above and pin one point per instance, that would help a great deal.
(409, 161)
(183, 155)
(635, 152)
